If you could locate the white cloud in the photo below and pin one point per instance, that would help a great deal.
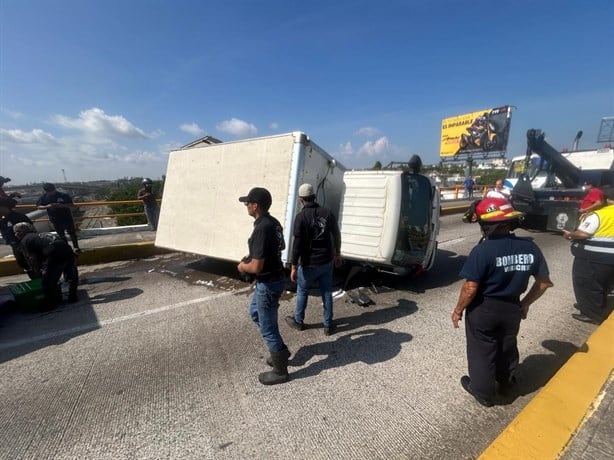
(368, 131)
(96, 121)
(12, 114)
(346, 149)
(237, 127)
(274, 125)
(36, 136)
(375, 148)
(193, 129)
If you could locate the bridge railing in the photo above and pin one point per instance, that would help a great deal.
(91, 204)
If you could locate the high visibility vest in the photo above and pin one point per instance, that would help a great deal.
(599, 247)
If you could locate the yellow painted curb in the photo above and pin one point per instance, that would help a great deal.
(545, 427)
(454, 210)
(92, 256)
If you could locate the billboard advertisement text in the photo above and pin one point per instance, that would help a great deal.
(483, 131)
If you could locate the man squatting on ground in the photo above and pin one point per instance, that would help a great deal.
(54, 257)
(264, 261)
(317, 246)
(497, 272)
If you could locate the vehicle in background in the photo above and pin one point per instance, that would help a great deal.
(549, 188)
(537, 168)
(389, 220)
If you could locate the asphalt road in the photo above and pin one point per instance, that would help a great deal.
(159, 360)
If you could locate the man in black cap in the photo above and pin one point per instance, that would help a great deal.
(264, 261)
(59, 209)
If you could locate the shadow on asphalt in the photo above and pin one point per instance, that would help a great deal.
(370, 346)
(536, 370)
(23, 332)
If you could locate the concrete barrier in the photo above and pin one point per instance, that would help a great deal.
(92, 256)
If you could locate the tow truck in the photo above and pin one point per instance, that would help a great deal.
(555, 204)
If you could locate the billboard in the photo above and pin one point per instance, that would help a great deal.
(481, 132)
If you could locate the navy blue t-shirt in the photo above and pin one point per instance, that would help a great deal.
(503, 266)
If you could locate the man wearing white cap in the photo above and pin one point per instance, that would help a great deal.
(316, 249)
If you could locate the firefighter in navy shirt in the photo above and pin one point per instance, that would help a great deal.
(59, 209)
(497, 273)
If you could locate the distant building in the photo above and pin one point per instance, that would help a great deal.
(205, 140)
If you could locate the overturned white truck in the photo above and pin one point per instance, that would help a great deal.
(388, 219)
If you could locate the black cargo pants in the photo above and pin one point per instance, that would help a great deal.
(591, 284)
(492, 353)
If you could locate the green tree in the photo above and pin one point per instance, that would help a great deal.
(377, 165)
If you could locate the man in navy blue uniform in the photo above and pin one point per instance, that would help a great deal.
(264, 262)
(59, 209)
(497, 273)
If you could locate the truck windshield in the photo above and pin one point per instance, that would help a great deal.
(415, 220)
(517, 166)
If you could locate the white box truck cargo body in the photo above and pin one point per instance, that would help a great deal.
(389, 219)
(200, 211)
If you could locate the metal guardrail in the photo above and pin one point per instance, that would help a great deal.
(79, 204)
(459, 191)
(458, 194)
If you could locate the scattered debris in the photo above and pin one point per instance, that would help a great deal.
(358, 296)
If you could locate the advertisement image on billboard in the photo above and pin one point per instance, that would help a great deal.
(483, 132)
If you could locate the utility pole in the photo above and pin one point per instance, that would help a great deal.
(64, 174)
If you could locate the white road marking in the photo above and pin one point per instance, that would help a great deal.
(450, 242)
(119, 319)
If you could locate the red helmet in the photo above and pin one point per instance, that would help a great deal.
(496, 210)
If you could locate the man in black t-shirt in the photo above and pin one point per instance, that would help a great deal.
(264, 261)
(54, 257)
(497, 272)
(59, 209)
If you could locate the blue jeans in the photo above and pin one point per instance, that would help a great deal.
(263, 311)
(152, 213)
(306, 277)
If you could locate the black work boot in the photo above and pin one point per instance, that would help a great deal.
(269, 361)
(72, 295)
(279, 374)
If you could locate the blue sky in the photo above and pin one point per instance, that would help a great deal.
(106, 88)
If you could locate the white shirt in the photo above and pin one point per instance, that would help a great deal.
(497, 194)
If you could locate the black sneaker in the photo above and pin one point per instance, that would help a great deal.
(330, 330)
(584, 318)
(290, 321)
(466, 383)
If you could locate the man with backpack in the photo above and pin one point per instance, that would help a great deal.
(316, 250)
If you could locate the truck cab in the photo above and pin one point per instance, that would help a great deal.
(389, 220)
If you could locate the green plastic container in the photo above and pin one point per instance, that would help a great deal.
(29, 294)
